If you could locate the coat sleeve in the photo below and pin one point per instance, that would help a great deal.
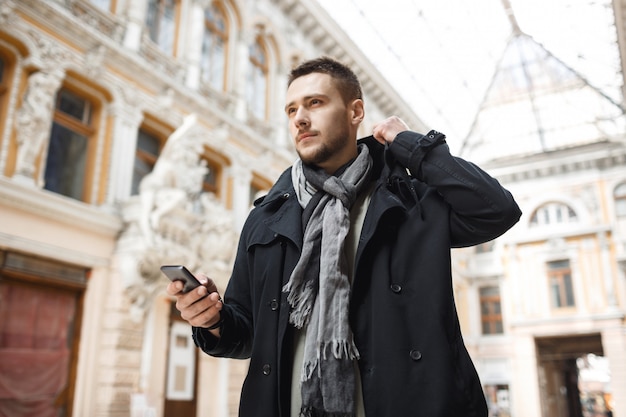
(480, 208)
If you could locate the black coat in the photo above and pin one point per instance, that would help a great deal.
(413, 359)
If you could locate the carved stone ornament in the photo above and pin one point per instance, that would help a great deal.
(33, 120)
(174, 222)
(6, 9)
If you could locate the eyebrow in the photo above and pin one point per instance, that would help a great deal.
(306, 98)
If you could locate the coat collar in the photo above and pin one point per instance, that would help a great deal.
(284, 213)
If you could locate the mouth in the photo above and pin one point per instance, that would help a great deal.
(304, 136)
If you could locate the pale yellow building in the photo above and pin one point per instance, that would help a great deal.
(135, 133)
(545, 304)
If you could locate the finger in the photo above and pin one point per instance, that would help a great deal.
(202, 278)
(174, 287)
(203, 315)
(207, 282)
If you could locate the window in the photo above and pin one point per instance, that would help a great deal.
(257, 80)
(148, 149)
(214, 48)
(560, 278)
(68, 151)
(6, 66)
(258, 187)
(215, 163)
(620, 200)
(211, 182)
(490, 311)
(553, 213)
(161, 24)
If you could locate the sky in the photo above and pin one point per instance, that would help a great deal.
(441, 54)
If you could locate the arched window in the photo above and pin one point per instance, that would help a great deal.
(214, 47)
(258, 79)
(161, 23)
(619, 194)
(553, 213)
(71, 148)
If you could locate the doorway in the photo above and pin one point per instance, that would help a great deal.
(182, 371)
(573, 376)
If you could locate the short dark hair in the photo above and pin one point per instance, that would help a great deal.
(347, 81)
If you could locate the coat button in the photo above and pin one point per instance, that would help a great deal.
(286, 196)
(397, 288)
(267, 369)
(274, 305)
(416, 355)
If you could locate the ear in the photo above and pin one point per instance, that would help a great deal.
(357, 112)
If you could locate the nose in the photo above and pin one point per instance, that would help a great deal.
(301, 117)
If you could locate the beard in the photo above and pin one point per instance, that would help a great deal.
(325, 150)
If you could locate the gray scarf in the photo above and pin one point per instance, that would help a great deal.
(319, 287)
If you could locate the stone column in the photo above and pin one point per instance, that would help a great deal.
(193, 48)
(525, 399)
(136, 15)
(128, 117)
(240, 74)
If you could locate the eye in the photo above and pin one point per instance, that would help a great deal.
(315, 101)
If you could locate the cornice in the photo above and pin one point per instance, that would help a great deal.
(59, 209)
(597, 156)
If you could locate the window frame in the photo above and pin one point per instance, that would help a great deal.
(223, 37)
(258, 184)
(218, 163)
(160, 6)
(263, 68)
(6, 80)
(493, 317)
(88, 130)
(619, 199)
(157, 131)
(553, 213)
(562, 277)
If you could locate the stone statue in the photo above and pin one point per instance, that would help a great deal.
(34, 118)
(176, 179)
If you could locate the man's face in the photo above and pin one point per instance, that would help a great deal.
(321, 124)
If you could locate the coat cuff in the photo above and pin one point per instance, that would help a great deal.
(410, 148)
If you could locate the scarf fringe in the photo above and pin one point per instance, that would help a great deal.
(301, 303)
(340, 349)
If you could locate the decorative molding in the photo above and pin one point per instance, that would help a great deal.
(58, 209)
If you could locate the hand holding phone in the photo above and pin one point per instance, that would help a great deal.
(180, 273)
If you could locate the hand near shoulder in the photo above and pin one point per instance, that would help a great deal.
(387, 130)
(201, 306)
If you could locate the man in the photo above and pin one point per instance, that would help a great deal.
(341, 292)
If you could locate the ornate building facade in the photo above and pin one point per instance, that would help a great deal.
(135, 133)
(546, 308)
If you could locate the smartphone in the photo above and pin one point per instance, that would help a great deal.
(180, 273)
